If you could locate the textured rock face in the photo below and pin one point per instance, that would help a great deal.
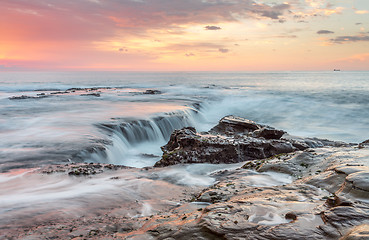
(358, 233)
(320, 203)
(231, 126)
(187, 146)
(233, 140)
(318, 193)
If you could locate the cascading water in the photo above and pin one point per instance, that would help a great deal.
(137, 143)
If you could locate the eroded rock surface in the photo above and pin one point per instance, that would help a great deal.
(318, 190)
(322, 202)
(233, 140)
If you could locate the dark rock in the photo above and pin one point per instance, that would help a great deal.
(46, 89)
(91, 94)
(234, 140)
(268, 133)
(186, 146)
(291, 216)
(26, 97)
(299, 145)
(337, 201)
(59, 92)
(233, 125)
(152, 92)
(81, 169)
(364, 144)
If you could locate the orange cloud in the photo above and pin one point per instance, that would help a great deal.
(155, 34)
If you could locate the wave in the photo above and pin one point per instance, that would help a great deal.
(136, 143)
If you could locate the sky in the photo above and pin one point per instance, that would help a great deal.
(184, 35)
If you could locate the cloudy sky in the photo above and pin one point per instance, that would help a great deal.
(184, 35)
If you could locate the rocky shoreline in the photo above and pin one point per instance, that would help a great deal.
(327, 196)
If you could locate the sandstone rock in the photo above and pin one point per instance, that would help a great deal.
(360, 180)
(358, 233)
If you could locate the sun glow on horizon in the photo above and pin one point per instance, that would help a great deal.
(176, 35)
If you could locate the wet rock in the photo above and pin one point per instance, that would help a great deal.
(364, 144)
(27, 97)
(268, 133)
(359, 180)
(358, 233)
(325, 195)
(81, 169)
(91, 94)
(338, 201)
(185, 146)
(232, 125)
(304, 143)
(290, 216)
(233, 140)
(343, 216)
(152, 92)
(59, 93)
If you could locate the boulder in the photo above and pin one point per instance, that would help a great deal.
(233, 140)
(187, 146)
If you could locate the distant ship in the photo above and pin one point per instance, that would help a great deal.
(336, 70)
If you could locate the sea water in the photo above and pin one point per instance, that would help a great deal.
(106, 117)
(124, 126)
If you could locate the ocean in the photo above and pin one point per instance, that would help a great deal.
(106, 117)
(124, 118)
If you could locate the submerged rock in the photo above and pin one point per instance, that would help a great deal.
(91, 94)
(28, 97)
(152, 92)
(81, 169)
